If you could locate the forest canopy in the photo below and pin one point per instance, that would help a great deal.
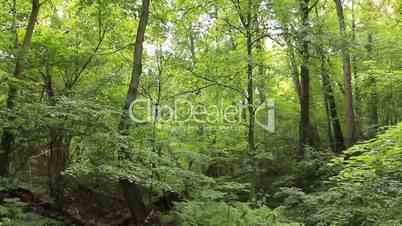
(206, 113)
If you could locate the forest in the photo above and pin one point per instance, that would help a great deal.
(201, 113)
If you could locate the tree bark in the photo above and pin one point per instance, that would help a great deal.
(373, 99)
(251, 111)
(329, 124)
(59, 148)
(135, 76)
(293, 65)
(247, 18)
(305, 129)
(310, 131)
(8, 136)
(250, 93)
(192, 48)
(59, 156)
(335, 125)
(335, 134)
(351, 132)
(133, 194)
(357, 95)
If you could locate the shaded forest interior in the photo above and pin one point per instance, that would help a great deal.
(201, 113)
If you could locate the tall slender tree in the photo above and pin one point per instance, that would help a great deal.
(335, 126)
(350, 127)
(335, 133)
(373, 98)
(135, 75)
(8, 137)
(305, 129)
(247, 18)
(251, 26)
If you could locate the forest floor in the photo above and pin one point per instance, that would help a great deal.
(76, 212)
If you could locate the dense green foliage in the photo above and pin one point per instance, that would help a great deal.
(221, 214)
(366, 191)
(247, 106)
(14, 212)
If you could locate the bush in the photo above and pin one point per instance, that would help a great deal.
(367, 190)
(217, 213)
(13, 213)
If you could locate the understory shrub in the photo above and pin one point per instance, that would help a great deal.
(219, 213)
(367, 191)
(16, 213)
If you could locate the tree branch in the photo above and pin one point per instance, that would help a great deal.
(218, 83)
(89, 60)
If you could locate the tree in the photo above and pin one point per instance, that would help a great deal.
(305, 130)
(335, 134)
(248, 16)
(206, 70)
(373, 99)
(136, 74)
(8, 136)
(351, 131)
(334, 128)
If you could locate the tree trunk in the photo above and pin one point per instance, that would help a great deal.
(251, 110)
(373, 99)
(135, 76)
(357, 95)
(351, 133)
(293, 65)
(58, 148)
(59, 156)
(192, 48)
(133, 195)
(250, 94)
(329, 124)
(310, 130)
(305, 129)
(8, 137)
(335, 134)
(247, 18)
(335, 125)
